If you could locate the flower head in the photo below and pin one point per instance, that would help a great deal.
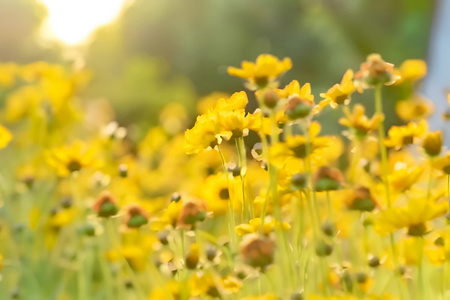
(414, 109)
(263, 72)
(399, 136)
(375, 71)
(69, 159)
(360, 123)
(339, 93)
(411, 70)
(413, 216)
(443, 163)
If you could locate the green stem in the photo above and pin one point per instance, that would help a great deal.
(420, 287)
(232, 220)
(383, 151)
(247, 206)
(430, 181)
(385, 172)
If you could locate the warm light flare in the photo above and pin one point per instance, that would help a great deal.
(72, 21)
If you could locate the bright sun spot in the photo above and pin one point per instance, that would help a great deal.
(72, 21)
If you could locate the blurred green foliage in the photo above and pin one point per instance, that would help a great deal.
(162, 51)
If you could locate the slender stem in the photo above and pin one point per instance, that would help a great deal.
(232, 221)
(383, 151)
(247, 206)
(430, 181)
(329, 208)
(385, 172)
(420, 287)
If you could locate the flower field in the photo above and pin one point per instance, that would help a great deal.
(249, 201)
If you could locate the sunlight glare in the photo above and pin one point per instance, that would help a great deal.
(72, 21)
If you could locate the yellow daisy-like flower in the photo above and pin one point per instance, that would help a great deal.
(411, 70)
(235, 123)
(5, 137)
(170, 291)
(399, 136)
(226, 119)
(8, 72)
(263, 72)
(413, 216)
(203, 136)
(68, 159)
(294, 89)
(231, 284)
(414, 109)
(169, 218)
(443, 163)
(299, 100)
(358, 121)
(201, 284)
(217, 194)
(402, 179)
(340, 93)
(207, 102)
(437, 249)
(254, 226)
(295, 147)
(237, 101)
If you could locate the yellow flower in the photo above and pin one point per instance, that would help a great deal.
(414, 109)
(413, 216)
(402, 179)
(432, 143)
(443, 163)
(263, 72)
(135, 256)
(294, 89)
(299, 101)
(231, 284)
(340, 93)
(235, 123)
(399, 136)
(8, 72)
(226, 119)
(207, 102)
(217, 194)
(296, 148)
(437, 249)
(68, 159)
(411, 70)
(237, 101)
(169, 292)
(5, 137)
(361, 124)
(254, 226)
(203, 136)
(169, 217)
(201, 284)
(375, 71)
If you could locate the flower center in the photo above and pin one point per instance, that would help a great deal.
(74, 166)
(224, 194)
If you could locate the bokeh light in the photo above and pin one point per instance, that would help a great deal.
(72, 21)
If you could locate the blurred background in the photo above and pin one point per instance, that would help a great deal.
(146, 53)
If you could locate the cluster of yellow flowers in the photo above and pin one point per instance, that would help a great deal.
(243, 205)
